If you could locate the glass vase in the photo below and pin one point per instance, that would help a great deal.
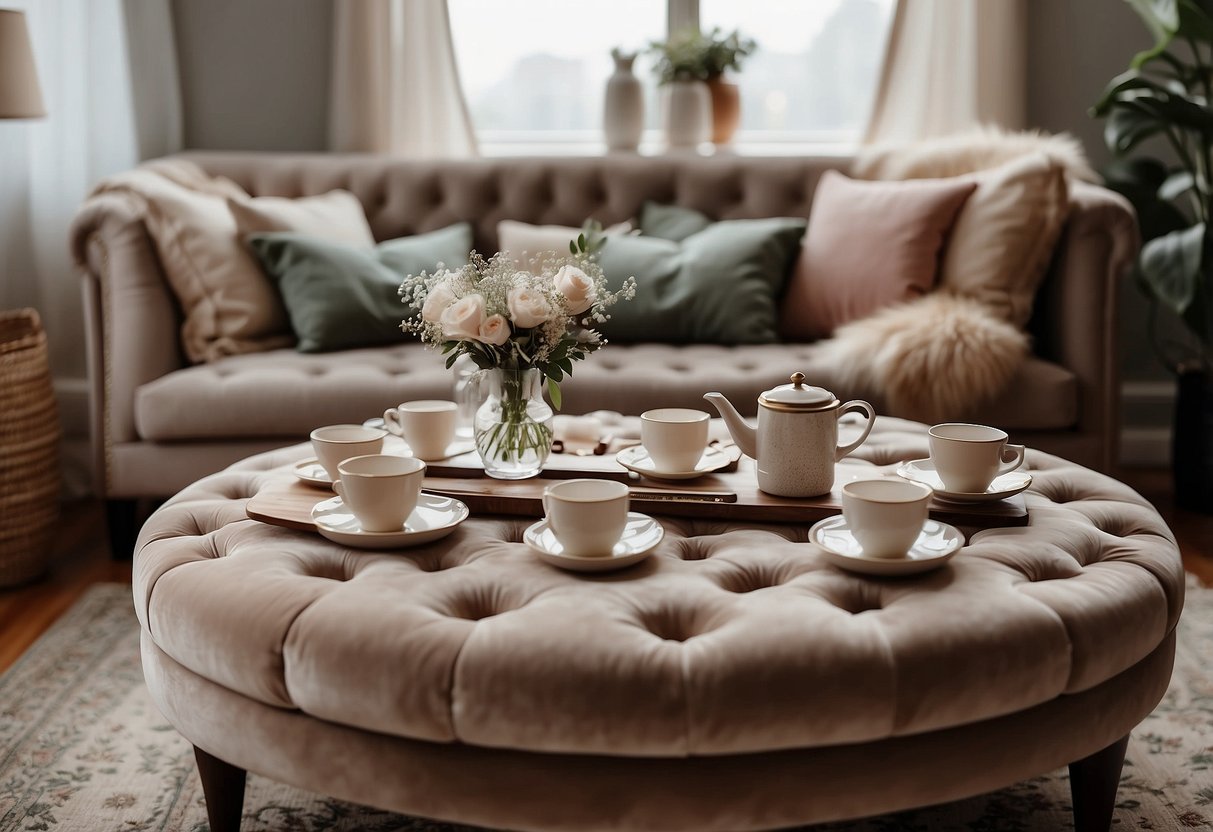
(513, 428)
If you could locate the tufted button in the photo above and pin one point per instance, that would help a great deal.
(853, 597)
(479, 603)
(676, 622)
(694, 549)
(1058, 490)
(750, 578)
(1038, 571)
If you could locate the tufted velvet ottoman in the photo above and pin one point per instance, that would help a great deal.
(733, 681)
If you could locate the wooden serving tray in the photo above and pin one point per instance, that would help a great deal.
(721, 496)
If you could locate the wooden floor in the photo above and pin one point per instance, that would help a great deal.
(80, 557)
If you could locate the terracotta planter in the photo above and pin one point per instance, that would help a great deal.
(726, 110)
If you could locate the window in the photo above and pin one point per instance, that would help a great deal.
(816, 68)
(534, 71)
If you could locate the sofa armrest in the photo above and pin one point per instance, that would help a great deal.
(1075, 323)
(131, 318)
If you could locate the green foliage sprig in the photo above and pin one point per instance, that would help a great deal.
(691, 55)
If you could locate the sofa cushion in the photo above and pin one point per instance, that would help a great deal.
(285, 393)
(718, 286)
(343, 296)
(671, 222)
(529, 244)
(336, 215)
(1004, 236)
(869, 245)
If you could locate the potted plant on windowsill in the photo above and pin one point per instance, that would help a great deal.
(691, 66)
(1166, 93)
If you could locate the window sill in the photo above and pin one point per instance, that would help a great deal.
(822, 150)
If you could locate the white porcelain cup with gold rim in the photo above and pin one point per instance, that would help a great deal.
(970, 457)
(333, 444)
(885, 516)
(381, 490)
(587, 516)
(674, 437)
(428, 425)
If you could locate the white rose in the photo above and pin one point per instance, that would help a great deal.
(528, 307)
(577, 288)
(463, 318)
(436, 302)
(495, 330)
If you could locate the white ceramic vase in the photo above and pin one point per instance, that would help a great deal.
(623, 107)
(687, 114)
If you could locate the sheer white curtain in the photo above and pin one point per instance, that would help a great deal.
(395, 84)
(93, 57)
(951, 65)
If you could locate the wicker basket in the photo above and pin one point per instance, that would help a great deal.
(29, 449)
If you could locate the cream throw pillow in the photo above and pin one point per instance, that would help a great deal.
(528, 244)
(229, 306)
(1004, 235)
(336, 216)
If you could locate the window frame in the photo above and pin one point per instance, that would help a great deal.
(680, 15)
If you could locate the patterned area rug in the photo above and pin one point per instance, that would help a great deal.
(83, 748)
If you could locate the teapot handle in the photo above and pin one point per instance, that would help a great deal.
(850, 406)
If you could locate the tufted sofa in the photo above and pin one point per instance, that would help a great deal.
(732, 681)
(159, 423)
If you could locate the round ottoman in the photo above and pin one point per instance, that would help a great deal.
(733, 681)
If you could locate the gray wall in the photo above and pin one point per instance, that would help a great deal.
(1074, 47)
(254, 73)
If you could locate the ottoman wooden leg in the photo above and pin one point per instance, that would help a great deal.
(223, 787)
(1093, 784)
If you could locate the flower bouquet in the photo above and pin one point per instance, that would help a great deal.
(521, 328)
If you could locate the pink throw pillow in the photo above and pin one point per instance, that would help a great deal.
(869, 245)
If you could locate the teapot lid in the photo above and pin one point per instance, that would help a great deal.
(798, 396)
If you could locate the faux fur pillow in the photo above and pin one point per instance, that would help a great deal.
(969, 151)
(935, 358)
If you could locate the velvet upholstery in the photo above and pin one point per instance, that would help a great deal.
(134, 324)
(735, 652)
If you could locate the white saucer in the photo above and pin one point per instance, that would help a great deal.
(435, 517)
(640, 537)
(923, 471)
(637, 459)
(936, 545)
(312, 472)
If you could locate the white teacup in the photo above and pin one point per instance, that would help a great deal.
(969, 457)
(885, 516)
(587, 516)
(427, 425)
(674, 437)
(336, 443)
(381, 490)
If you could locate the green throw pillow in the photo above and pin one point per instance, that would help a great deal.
(717, 286)
(341, 297)
(671, 222)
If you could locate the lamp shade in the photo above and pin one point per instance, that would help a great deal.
(20, 95)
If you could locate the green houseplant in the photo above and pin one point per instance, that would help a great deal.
(692, 56)
(1165, 94)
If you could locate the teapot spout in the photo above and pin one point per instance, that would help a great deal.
(745, 436)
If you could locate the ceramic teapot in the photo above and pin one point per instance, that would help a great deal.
(796, 443)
